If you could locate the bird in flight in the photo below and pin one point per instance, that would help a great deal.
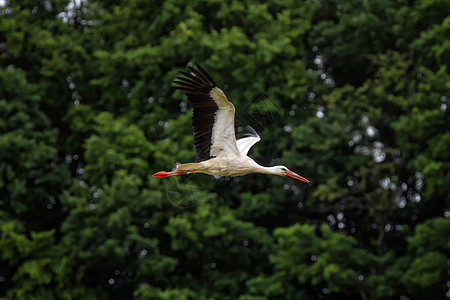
(218, 151)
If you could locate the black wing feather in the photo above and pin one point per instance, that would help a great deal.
(198, 85)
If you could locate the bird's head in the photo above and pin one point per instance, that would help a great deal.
(283, 171)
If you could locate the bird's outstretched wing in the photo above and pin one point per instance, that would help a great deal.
(244, 144)
(213, 118)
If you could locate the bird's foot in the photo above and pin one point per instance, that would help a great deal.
(164, 174)
(161, 174)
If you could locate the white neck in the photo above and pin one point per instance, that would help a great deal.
(266, 170)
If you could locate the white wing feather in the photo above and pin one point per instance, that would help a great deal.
(244, 144)
(223, 137)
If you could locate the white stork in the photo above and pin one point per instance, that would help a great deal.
(218, 151)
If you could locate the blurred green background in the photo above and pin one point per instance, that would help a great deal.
(352, 95)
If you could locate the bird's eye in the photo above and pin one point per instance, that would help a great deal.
(283, 169)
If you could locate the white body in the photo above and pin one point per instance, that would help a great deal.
(227, 166)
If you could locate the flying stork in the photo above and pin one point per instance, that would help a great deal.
(218, 151)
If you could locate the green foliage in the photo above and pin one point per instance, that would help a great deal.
(41, 272)
(327, 261)
(114, 145)
(353, 95)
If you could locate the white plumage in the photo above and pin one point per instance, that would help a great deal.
(244, 144)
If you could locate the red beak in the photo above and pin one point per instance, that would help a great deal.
(296, 176)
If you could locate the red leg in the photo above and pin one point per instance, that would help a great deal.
(164, 174)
